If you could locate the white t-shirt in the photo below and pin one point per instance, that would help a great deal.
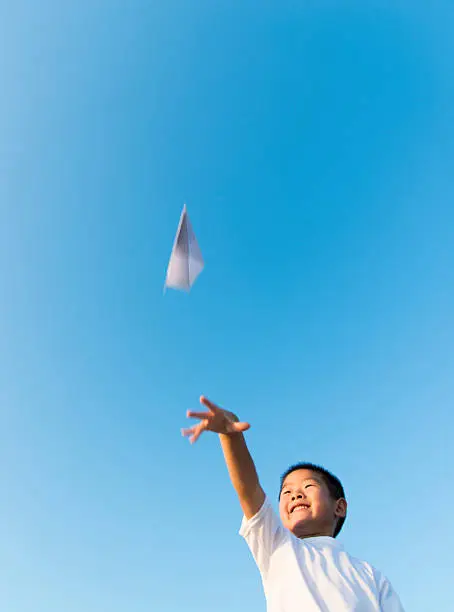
(312, 574)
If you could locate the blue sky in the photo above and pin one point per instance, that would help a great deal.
(314, 146)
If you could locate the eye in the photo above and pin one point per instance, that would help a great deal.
(308, 485)
(286, 492)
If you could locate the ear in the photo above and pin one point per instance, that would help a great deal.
(341, 508)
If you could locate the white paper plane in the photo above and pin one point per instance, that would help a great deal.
(186, 260)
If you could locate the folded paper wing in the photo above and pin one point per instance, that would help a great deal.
(186, 262)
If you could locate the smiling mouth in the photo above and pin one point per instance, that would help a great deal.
(299, 508)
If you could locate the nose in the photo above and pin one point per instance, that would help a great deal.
(298, 495)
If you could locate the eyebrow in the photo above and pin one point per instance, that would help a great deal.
(287, 484)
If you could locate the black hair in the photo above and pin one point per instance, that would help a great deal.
(335, 488)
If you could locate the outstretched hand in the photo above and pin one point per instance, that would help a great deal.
(215, 419)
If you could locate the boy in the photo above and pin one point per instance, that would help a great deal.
(303, 567)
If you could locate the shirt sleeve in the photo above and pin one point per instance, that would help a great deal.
(389, 600)
(263, 534)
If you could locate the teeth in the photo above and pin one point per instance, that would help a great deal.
(300, 508)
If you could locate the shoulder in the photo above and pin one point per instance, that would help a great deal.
(264, 529)
(388, 598)
(366, 570)
(265, 517)
(264, 534)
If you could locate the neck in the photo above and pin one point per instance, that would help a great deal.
(315, 535)
(301, 535)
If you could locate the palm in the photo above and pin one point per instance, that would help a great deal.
(214, 419)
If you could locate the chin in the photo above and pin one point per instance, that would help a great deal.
(301, 526)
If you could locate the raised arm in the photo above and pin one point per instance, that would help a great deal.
(239, 462)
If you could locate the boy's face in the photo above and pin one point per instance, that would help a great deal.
(306, 506)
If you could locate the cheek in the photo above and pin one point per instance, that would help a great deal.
(317, 501)
(324, 505)
(283, 510)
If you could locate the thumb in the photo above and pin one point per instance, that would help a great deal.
(241, 426)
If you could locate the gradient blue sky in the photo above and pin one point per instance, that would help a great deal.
(314, 145)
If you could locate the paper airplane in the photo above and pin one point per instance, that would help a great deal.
(186, 260)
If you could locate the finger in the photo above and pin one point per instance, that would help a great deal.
(198, 415)
(241, 426)
(188, 431)
(194, 432)
(198, 430)
(206, 402)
